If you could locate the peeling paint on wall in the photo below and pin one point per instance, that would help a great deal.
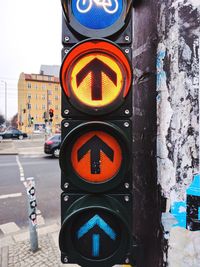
(178, 83)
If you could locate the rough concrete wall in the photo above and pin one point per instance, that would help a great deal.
(178, 77)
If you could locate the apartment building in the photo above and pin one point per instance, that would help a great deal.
(37, 94)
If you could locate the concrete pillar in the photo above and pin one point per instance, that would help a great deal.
(166, 130)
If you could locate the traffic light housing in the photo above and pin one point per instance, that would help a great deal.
(96, 150)
(51, 113)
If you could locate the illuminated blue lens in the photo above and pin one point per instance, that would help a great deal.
(97, 14)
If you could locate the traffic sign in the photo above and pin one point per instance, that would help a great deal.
(94, 80)
(88, 18)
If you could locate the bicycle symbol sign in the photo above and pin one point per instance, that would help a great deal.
(109, 6)
(97, 14)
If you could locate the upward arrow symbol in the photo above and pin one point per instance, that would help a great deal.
(96, 67)
(95, 145)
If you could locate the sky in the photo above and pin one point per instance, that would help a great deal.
(30, 36)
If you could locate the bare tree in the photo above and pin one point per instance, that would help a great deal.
(2, 119)
(14, 121)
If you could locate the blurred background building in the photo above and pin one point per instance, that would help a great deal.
(38, 94)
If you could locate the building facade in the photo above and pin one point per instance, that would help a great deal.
(37, 94)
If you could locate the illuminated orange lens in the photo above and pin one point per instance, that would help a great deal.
(96, 80)
(96, 156)
(96, 74)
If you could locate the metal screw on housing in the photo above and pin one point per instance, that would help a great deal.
(127, 50)
(65, 259)
(66, 198)
(126, 124)
(66, 38)
(127, 260)
(66, 51)
(126, 185)
(127, 111)
(66, 124)
(127, 38)
(66, 185)
(126, 198)
(66, 111)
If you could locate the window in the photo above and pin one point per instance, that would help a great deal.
(29, 96)
(29, 85)
(56, 88)
(56, 107)
(36, 96)
(36, 106)
(43, 97)
(49, 92)
(43, 86)
(49, 102)
(43, 107)
(56, 97)
(36, 86)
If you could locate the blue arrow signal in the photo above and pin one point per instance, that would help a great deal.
(95, 245)
(96, 220)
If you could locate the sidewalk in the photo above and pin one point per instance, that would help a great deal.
(15, 249)
(7, 147)
(25, 147)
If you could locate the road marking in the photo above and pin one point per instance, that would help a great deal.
(10, 195)
(21, 170)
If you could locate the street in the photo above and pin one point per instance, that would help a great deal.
(29, 162)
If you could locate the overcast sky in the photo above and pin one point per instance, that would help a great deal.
(30, 36)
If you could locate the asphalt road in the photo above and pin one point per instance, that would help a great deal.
(13, 196)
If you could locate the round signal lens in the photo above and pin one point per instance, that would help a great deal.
(96, 156)
(96, 76)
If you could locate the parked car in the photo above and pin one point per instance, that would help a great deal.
(52, 145)
(13, 134)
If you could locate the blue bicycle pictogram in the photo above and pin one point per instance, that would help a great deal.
(109, 6)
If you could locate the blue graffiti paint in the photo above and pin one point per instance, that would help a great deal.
(95, 245)
(188, 213)
(199, 214)
(178, 210)
(194, 188)
(161, 75)
(193, 204)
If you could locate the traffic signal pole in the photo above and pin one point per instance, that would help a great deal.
(146, 194)
(166, 141)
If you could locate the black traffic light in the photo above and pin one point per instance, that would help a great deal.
(96, 150)
(51, 113)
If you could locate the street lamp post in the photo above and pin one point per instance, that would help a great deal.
(5, 99)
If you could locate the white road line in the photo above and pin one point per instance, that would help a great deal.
(10, 195)
(22, 179)
(21, 170)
